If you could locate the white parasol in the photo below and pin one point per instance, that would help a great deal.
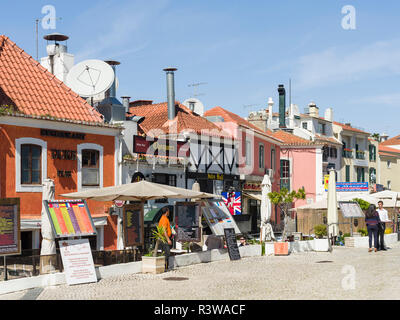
(332, 205)
(266, 228)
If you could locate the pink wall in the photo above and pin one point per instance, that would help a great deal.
(303, 171)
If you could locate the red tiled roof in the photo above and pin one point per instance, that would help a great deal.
(349, 128)
(391, 142)
(230, 116)
(156, 117)
(383, 148)
(291, 139)
(35, 92)
(327, 139)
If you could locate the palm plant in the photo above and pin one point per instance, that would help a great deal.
(159, 236)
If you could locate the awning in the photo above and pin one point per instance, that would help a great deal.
(252, 196)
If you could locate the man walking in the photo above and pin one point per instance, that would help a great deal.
(383, 216)
(164, 222)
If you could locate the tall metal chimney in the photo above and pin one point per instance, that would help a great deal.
(171, 92)
(282, 106)
(113, 89)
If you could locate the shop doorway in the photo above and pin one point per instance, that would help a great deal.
(254, 211)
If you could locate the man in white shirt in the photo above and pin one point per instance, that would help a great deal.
(383, 216)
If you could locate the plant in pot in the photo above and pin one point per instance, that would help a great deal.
(321, 244)
(153, 262)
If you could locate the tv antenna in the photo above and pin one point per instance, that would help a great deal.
(37, 34)
(250, 105)
(195, 86)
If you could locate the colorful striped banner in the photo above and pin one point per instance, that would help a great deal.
(73, 219)
(55, 221)
(60, 219)
(86, 220)
(79, 218)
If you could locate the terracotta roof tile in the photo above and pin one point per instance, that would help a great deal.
(383, 148)
(349, 128)
(34, 91)
(293, 140)
(156, 118)
(391, 142)
(232, 117)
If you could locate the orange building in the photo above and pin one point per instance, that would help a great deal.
(48, 131)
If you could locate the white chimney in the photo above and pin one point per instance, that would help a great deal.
(383, 137)
(329, 114)
(270, 105)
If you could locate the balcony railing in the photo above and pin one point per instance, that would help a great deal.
(347, 153)
(360, 155)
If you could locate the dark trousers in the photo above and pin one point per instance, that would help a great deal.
(165, 247)
(381, 232)
(373, 230)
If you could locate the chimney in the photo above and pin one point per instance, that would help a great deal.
(313, 110)
(270, 105)
(171, 92)
(282, 106)
(384, 137)
(125, 103)
(329, 114)
(112, 92)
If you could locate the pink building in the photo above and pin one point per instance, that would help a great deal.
(259, 154)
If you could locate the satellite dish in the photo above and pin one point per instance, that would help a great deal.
(90, 78)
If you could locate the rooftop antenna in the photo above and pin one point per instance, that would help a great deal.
(290, 92)
(37, 34)
(250, 105)
(195, 86)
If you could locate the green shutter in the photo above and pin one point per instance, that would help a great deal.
(347, 173)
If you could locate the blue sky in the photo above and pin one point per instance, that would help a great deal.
(241, 49)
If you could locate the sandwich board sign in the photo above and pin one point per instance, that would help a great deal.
(78, 261)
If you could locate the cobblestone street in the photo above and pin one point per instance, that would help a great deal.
(347, 273)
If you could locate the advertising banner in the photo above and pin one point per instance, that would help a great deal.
(10, 232)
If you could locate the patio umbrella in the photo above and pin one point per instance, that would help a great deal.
(332, 205)
(138, 191)
(48, 246)
(265, 214)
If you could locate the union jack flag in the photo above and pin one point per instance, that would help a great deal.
(233, 200)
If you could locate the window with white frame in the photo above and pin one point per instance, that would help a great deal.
(261, 162)
(90, 165)
(30, 164)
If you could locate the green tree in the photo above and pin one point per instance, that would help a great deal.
(284, 199)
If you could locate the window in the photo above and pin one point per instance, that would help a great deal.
(261, 162)
(90, 168)
(273, 159)
(248, 153)
(30, 164)
(322, 128)
(90, 165)
(372, 175)
(285, 174)
(372, 153)
(388, 164)
(360, 174)
(31, 159)
(389, 185)
(333, 152)
(305, 125)
(163, 178)
(347, 173)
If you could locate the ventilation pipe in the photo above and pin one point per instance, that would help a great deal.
(171, 92)
(282, 106)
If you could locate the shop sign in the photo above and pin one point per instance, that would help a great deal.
(63, 154)
(252, 186)
(160, 147)
(62, 134)
(215, 176)
(133, 225)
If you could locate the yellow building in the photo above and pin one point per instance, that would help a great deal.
(389, 158)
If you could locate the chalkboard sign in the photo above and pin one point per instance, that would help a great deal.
(133, 224)
(233, 249)
(10, 229)
(187, 221)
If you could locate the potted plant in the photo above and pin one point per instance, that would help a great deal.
(321, 243)
(153, 262)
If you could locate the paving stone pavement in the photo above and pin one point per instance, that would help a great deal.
(346, 273)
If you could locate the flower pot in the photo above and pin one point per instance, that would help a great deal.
(281, 248)
(321, 245)
(153, 265)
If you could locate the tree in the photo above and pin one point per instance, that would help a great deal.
(284, 200)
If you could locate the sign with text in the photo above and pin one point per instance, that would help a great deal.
(170, 148)
(231, 243)
(350, 209)
(352, 186)
(133, 222)
(218, 217)
(187, 221)
(10, 233)
(70, 218)
(77, 261)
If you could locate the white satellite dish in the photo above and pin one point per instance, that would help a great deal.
(90, 78)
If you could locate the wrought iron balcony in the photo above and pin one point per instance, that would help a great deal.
(347, 153)
(360, 155)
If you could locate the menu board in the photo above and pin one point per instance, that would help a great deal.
(218, 217)
(77, 260)
(133, 218)
(351, 209)
(10, 232)
(187, 221)
(233, 249)
(70, 218)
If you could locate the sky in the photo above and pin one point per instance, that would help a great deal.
(240, 51)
